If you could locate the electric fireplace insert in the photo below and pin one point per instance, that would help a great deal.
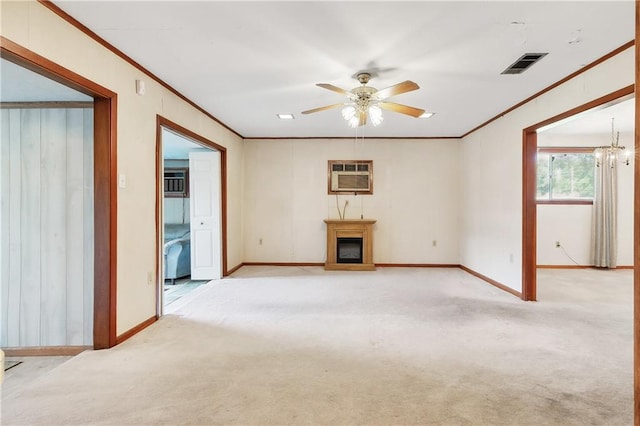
(349, 250)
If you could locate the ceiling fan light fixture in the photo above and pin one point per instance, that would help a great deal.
(365, 103)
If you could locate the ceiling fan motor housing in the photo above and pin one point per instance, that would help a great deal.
(364, 77)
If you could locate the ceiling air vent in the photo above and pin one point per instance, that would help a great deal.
(523, 63)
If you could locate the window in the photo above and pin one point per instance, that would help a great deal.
(565, 175)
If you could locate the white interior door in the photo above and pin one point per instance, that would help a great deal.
(204, 189)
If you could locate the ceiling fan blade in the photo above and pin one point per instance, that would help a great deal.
(334, 88)
(402, 109)
(363, 119)
(322, 108)
(396, 89)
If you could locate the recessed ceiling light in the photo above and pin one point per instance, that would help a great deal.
(427, 115)
(285, 116)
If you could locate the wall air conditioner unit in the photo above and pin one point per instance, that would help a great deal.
(176, 182)
(351, 177)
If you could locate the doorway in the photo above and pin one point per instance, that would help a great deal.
(530, 205)
(190, 216)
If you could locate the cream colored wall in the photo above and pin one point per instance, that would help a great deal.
(491, 226)
(36, 28)
(415, 199)
(571, 224)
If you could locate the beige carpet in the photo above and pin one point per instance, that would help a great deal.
(398, 346)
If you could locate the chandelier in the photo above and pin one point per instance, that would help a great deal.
(613, 153)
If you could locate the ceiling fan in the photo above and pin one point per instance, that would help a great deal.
(365, 101)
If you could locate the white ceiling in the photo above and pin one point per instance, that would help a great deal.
(21, 85)
(245, 62)
(176, 147)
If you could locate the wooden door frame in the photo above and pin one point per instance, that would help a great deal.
(529, 206)
(105, 190)
(200, 140)
(636, 235)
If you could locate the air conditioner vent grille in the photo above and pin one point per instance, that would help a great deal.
(523, 63)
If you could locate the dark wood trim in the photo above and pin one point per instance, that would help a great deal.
(349, 138)
(105, 174)
(553, 86)
(45, 351)
(636, 238)
(137, 329)
(64, 15)
(223, 213)
(529, 216)
(106, 212)
(200, 140)
(417, 265)
(565, 202)
(42, 105)
(321, 264)
(159, 225)
(492, 282)
(412, 265)
(235, 268)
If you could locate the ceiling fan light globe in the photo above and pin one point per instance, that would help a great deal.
(354, 122)
(375, 115)
(348, 112)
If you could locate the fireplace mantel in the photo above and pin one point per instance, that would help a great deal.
(357, 228)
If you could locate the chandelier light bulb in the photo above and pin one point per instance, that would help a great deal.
(354, 121)
(612, 153)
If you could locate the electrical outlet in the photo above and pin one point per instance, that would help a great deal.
(557, 244)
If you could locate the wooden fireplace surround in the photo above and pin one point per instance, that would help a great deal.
(360, 228)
